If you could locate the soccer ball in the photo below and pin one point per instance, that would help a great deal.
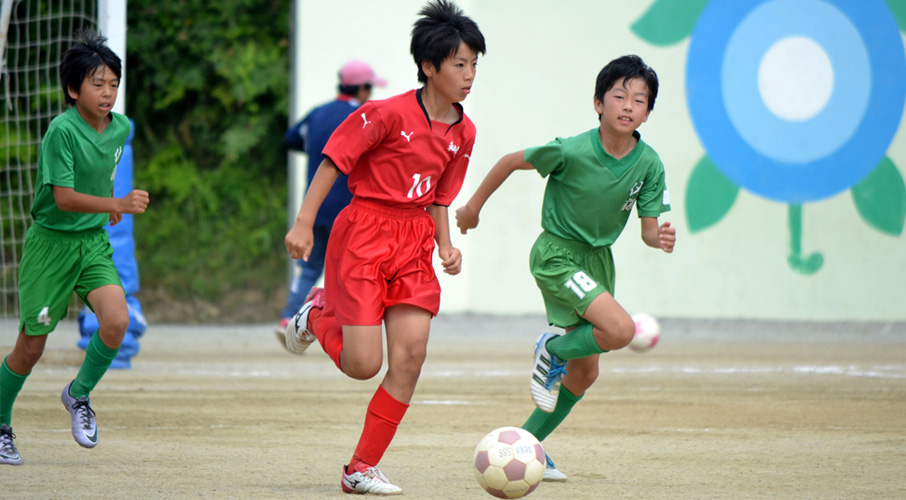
(647, 332)
(509, 462)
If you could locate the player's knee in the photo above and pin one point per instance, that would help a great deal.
(116, 323)
(28, 354)
(32, 354)
(362, 369)
(624, 330)
(412, 361)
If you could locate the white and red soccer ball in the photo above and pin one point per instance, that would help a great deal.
(509, 462)
(647, 332)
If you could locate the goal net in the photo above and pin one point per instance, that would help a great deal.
(34, 34)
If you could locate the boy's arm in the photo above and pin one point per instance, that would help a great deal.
(300, 238)
(467, 216)
(451, 257)
(663, 236)
(70, 200)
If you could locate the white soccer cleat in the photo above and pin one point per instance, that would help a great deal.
(368, 480)
(551, 473)
(84, 427)
(546, 375)
(280, 332)
(8, 453)
(297, 336)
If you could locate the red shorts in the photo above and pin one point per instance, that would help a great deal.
(377, 257)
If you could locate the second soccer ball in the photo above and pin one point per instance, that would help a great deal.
(647, 332)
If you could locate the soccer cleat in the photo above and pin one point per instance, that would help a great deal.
(298, 336)
(550, 471)
(368, 480)
(281, 327)
(84, 427)
(280, 332)
(546, 375)
(8, 452)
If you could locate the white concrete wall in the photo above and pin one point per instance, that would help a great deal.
(537, 82)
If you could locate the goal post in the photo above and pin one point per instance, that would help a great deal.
(35, 35)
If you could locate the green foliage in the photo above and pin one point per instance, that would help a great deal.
(18, 151)
(208, 90)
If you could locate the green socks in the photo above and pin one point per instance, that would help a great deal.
(578, 343)
(98, 358)
(10, 385)
(541, 424)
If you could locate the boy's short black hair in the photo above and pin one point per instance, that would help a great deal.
(438, 33)
(627, 68)
(84, 58)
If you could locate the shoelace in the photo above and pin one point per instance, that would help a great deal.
(373, 473)
(556, 372)
(85, 412)
(550, 463)
(7, 444)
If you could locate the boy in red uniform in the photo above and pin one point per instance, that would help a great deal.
(406, 158)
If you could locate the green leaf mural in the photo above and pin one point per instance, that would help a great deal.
(880, 198)
(709, 195)
(669, 21)
(731, 114)
(898, 8)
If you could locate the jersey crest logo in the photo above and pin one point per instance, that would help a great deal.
(408, 137)
(453, 147)
(365, 120)
(117, 155)
(633, 194)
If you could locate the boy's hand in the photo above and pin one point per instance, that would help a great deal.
(451, 259)
(135, 202)
(666, 236)
(466, 219)
(299, 241)
(115, 218)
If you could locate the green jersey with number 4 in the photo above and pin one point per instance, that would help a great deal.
(590, 194)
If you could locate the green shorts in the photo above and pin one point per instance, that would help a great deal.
(570, 275)
(53, 265)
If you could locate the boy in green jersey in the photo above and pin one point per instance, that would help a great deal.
(67, 249)
(594, 180)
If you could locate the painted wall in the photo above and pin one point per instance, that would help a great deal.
(778, 122)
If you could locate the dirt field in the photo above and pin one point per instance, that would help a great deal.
(718, 410)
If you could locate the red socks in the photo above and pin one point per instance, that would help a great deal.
(383, 417)
(329, 333)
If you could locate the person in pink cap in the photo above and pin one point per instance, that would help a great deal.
(360, 74)
(309, 136)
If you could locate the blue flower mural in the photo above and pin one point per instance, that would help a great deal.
(794, 101)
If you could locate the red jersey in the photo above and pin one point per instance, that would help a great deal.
(396, 156)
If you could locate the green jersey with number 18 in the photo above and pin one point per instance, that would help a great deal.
(589, 193)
